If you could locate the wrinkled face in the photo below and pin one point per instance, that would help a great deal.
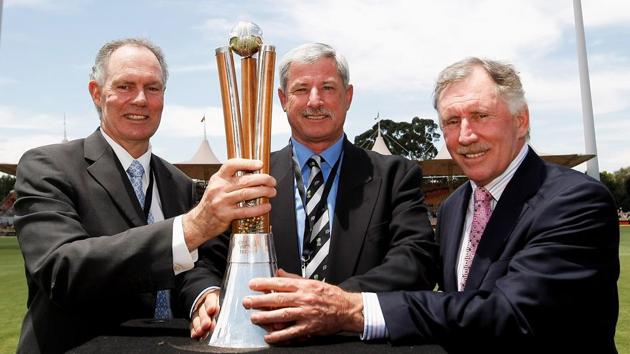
(481, 134)
(316, 103)
(131, 97)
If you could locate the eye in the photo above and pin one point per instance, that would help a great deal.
(452, 121)
(154, 88)
(299, 90)
(329, 88)
(123, 87)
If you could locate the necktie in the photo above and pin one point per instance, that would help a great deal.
(317, 231)
(162, 300)
(482, 212)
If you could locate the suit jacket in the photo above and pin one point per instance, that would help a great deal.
(381, 236)
(543, 278)
(91, 260)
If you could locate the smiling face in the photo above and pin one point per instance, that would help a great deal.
(131, 97)
(316, 103)
(481, 134)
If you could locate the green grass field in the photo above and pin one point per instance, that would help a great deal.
(13, 298)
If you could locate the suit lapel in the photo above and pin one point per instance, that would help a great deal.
(106, 170)
(524, 184)
(171, 202)
(283, 212)
(450, 231)
(355, 201)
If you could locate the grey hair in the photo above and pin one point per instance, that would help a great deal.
(508, 83)
(99, 70)
(309, 53)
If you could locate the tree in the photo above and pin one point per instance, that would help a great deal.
(619, 185)
(7, 182)
(412, 140)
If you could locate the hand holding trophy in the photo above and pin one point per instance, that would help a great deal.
(248, 133)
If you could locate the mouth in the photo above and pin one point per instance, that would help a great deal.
(474, 155)
(316, 116)
(136, 117)
(473, 151)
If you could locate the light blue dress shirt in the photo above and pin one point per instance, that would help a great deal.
(330, 155)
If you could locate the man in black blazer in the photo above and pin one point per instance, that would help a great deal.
(94, 255)
(381, 238)
(541, 278)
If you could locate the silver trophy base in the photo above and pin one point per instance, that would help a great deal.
(249, 256)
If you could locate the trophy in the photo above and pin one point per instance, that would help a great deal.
(248, 133)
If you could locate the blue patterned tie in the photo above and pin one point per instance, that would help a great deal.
(162, 300)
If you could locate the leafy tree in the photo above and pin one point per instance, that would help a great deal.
(412, 140)
(7, 182)
(619, 185)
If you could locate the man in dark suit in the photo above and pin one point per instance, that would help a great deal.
(375, 234)
(102, 244)
(529, 264)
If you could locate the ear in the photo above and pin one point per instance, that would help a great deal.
(522, 121)
(95, 92)
(283, 99)
(349, 93)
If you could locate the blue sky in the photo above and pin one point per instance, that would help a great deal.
(395, 50)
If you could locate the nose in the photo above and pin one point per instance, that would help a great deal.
(140, 98)
(467, 134)
(314, 99)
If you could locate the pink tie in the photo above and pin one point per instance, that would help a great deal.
(483, 210)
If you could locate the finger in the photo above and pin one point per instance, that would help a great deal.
(194, 325)
(248, 212)
(250, 180)
(273, 317)
(231, 166)
(274, 300)
(249, 193)
(287, 334)
(277, 284)
(282, 273)
(212, 304)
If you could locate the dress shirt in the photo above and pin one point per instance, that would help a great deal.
(374, 323)
(330, 155)
(183, 259)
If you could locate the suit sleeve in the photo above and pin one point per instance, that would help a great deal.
(558, 286)
(208, 271)
(67, 263)
(410, 260)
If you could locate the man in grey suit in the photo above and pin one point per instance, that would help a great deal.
(103, 224)
(529, 249)
(368, 228)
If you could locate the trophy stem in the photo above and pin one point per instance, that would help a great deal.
(248, 85)
(230, 103)
(264, 100)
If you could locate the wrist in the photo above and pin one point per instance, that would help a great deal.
(354, 320)
(192, 231)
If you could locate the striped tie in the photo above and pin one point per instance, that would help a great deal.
(162, 299)
(317, 235)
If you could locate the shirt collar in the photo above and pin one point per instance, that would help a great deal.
(330, 155)
(125, 158)
(497, 185)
